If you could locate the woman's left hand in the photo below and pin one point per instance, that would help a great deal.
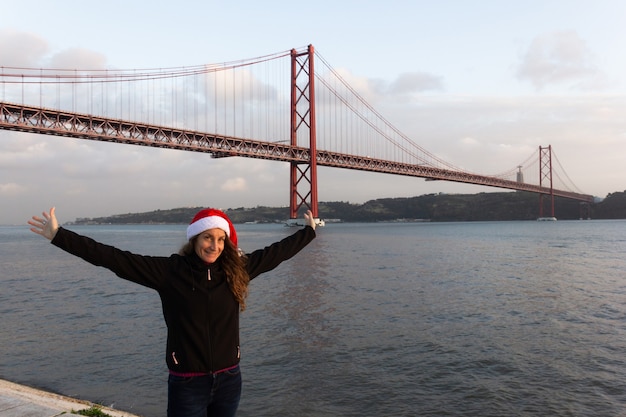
(310, 220)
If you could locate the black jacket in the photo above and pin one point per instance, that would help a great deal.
(201, 314)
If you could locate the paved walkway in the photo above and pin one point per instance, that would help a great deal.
(21, 401)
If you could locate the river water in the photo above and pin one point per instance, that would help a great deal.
(386, 319)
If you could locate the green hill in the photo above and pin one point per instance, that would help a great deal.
(430, 207)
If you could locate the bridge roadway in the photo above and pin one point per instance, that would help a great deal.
(83, 126)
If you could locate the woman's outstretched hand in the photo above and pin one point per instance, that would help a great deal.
(310, 220)
(45, 226)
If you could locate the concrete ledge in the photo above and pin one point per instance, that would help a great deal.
(22, 401)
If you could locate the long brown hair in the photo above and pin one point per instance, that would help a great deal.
(234, 264)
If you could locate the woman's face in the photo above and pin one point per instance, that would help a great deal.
(210, 244)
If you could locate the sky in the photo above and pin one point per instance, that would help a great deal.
(480, 84)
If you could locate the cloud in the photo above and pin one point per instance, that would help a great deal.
(78, 58)
(26, 50)
(235, 184)
(374, 90)
(21, 49)
(469, 142)
(557, 58)
(11, 189)
(415, 82)
(405, 84)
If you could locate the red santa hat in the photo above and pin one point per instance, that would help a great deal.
(211, 219)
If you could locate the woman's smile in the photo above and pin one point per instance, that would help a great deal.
(210, 244)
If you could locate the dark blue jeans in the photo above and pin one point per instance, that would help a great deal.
(213, 395)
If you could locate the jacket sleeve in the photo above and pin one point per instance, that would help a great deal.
(148, 271)
(268, 258)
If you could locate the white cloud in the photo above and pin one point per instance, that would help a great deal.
(234, 184)
(11, 189)
(469, 142)
(78, 58)
(405, 84)
(560, 57)
(415, 82)
(21, 49)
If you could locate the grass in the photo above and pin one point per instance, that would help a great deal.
(94, 411)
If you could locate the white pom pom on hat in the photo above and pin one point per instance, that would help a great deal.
(211, 219)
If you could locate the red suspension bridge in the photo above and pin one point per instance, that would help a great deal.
(279, 107)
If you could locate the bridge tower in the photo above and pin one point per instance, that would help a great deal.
(545, 173)
(303, 175)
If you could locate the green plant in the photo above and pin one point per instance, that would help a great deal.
(93, 411)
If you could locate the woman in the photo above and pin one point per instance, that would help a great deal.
(202, 289)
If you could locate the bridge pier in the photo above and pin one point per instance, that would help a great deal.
(303, 175)
(545, 163)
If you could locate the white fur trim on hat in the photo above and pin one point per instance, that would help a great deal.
(206, 223)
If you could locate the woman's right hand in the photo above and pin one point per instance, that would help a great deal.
(45, 226)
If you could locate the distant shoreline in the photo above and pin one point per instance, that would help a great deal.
(431, 208)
